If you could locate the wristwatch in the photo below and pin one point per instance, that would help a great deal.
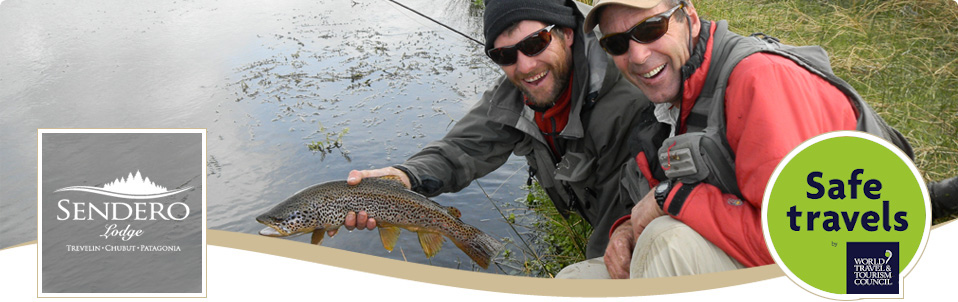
(662, 192)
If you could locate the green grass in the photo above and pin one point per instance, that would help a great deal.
(902, 56)
(560, 241)
(548, 241)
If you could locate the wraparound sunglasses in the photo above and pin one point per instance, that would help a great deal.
(646, 31)
(532, 45)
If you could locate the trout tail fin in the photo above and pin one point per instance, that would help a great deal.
(479, 246)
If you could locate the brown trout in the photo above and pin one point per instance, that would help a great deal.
(323, 207)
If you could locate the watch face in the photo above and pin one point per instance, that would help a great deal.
(662, 187)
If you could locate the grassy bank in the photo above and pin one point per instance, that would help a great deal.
(557, 241)
(902, 56)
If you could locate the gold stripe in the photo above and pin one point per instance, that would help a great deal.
(19, 245)
(485, 281)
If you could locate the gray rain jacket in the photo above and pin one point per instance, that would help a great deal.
(605, 108)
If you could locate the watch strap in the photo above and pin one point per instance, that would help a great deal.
(660, 198)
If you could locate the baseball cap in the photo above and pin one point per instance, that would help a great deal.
(592, 19)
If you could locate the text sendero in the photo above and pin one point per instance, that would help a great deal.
(121, 211)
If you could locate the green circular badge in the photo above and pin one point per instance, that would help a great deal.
(846, 215)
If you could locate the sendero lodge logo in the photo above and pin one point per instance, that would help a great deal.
(121, 213)
(133, 187)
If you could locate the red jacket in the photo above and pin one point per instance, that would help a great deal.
(771, 105)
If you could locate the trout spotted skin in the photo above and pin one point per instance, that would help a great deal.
(323, 207)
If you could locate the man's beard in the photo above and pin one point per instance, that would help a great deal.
(560, 72)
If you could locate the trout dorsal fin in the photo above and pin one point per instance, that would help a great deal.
(393, 178)
(454, 211)
(431, 243)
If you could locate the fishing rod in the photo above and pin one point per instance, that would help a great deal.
(437, 22)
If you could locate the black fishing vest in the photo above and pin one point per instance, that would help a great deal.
(703, 153)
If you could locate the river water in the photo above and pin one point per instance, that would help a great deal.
(369, 80)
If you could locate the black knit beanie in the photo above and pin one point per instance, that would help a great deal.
(501, 14)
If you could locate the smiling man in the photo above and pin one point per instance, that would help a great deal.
(755, 98)
(561, 103)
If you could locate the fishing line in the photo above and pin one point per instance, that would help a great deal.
(437, 22)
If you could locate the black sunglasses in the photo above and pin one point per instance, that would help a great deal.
(532, 45)
(646, 31)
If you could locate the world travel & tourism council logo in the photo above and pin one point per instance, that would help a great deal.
(105, 235)
(846, 215)
(869, 271)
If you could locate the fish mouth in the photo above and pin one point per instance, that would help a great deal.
(271, 229)
(271, 232)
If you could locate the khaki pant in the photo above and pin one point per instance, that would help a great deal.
(666, 248)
